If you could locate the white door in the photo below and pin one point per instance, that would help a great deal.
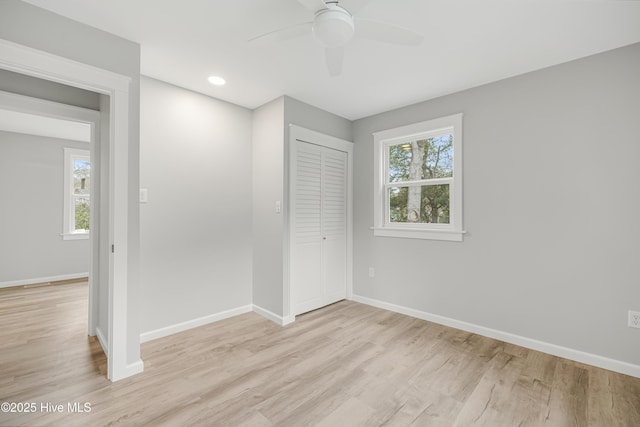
(319, 227)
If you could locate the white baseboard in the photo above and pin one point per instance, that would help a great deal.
(190, 324)
(35, 280)
(129, 370)
(194, 323)
(556, 350)
(134, 368)
(282, 321)
(102, 340)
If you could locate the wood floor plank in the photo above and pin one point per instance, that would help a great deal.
(613, 399)
(347, 364)
(493, 401)
(352, 409)
(569, 398)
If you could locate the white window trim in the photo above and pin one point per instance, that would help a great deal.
(69, 213)
(382, 227)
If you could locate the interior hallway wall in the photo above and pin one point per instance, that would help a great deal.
(196, 253)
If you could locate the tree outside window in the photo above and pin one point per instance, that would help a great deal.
(421, 160)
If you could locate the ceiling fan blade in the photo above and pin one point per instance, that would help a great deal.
(387, 33)
(313, 5)
(286, 33)
(334, 57)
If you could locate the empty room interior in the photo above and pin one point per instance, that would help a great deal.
(313, 212)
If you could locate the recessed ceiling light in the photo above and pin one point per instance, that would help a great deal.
(218, 81)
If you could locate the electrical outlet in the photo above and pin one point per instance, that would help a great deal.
(634, 319)
(372, 272)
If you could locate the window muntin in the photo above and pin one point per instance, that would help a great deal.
(419, 180)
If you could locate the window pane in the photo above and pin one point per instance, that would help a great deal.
(81, 176)
(421, 159)
(399, 162)
(82, 212)
(439, 157)
(419, 204)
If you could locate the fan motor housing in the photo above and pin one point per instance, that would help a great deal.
(333, 27)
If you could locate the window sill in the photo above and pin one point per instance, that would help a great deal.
(417, 233)
(75, 236)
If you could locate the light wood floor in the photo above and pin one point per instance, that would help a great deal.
(345, 365)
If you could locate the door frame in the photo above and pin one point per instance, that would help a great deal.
(298, 133)
(44, 65)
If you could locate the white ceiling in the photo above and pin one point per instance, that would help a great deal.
(467, 43)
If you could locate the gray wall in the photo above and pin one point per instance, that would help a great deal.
(310, 117)
(45, 89)
(67, 38)
(267, 158)
(196, 228)
(31, 185)
(270, 143)
(550, 205)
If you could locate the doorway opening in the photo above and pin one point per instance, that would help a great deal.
(51, 185)
(123, 345)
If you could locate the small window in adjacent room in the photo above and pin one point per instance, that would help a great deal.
(77, 195)
(418, 188)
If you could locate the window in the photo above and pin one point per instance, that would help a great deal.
(418, 188)
(77, 194)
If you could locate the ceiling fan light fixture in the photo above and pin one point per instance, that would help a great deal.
(333, 27)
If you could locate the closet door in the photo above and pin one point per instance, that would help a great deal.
(306, 253)
(334, 225)
(319, 226)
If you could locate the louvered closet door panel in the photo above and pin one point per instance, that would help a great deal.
(319, 227)
(307, 289)
(334, 224)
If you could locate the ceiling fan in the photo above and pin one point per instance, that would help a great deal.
(333, 27)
